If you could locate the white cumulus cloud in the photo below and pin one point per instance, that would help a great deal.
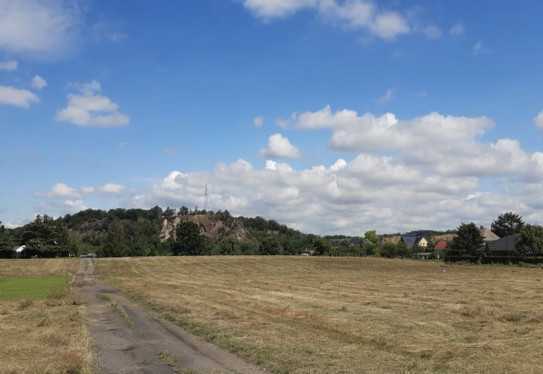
(17, 97)
(277, 8)
(389, 25)
(63, 190)
(447, 145)
(354, 14)
(38, 83)
(40, 27)
(88, 108)
(112, 188)
(280, 147)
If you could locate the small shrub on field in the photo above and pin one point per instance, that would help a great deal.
(425, 355)
(44, 322)
(24, 304)
(512, 317)
(471, 312)
(74, 316)
(380, 342)
(54, 340)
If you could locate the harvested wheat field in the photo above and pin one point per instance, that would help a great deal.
(41, 326)
(348, 315)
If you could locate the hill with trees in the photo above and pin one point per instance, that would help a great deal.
(139, 232)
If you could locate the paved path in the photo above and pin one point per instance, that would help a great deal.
(129, 339)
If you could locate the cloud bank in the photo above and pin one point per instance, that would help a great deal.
(433, 171)
(429, 172)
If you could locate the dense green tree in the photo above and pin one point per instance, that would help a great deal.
(389, 250)
(46, 237)
(7, 242)
(271, 246)
(116, 244)
(169, 213)
(468, 240)
(321, 247)
(189, 241)
(371, 236)
(369, 243)
(531, 241)
(402, 250)
(507, 224)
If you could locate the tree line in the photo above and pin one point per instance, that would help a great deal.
(525, 244)
(137, 232)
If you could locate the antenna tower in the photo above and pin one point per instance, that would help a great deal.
(206, 195)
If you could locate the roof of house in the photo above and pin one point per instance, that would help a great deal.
(488, 235)
(19, 249)
(447, 237)
(411, 240)
(441, 245)
(505, 244)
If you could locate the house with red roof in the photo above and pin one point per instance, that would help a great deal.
(440, 248)
(441, 245)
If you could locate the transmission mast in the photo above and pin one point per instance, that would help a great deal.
(206, 197)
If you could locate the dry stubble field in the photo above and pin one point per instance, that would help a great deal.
(41, 329)
(349, 315)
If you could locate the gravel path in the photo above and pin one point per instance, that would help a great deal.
(129, 339)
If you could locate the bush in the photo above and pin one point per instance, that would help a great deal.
(531, 241)
(389, 250)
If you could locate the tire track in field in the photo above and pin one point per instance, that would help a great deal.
(129, 339)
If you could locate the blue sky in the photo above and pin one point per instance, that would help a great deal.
(146, 103)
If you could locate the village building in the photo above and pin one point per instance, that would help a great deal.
(414, 241)
(441, 245)
(417, 242)
(440, 248)
(506, 246)
(488, 235)
(19, 251)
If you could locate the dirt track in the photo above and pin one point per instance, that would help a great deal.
(129, 339)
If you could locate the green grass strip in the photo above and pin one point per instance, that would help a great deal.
(31, 288)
